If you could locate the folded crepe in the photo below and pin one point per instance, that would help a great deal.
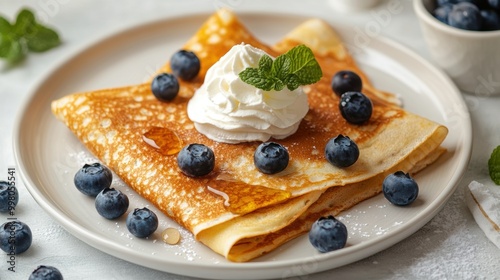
(236, 210)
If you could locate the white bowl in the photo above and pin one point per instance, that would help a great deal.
(348, 6)
(470, 58)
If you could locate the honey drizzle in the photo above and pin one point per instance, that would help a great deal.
(163, 139)
(241, 198)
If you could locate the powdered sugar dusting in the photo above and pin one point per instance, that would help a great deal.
(447, 232)
(187, 248)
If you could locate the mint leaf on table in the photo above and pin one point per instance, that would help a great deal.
(42, 39)
(5, 38)
(5, 26)
(24, 35)
(295, 68)
(25, 21)
(494, 165)
(10, 49)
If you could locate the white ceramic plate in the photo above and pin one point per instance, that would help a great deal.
(48, 155)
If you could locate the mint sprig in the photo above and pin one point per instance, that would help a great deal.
(494, 165)
(25, 35)
(295, 68)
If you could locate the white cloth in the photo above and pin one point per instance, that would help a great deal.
(484, 203)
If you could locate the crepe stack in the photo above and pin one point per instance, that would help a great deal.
(238, 211)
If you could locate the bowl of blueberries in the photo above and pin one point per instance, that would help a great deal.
(463, 38)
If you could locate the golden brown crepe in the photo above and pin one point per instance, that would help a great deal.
(238, 211)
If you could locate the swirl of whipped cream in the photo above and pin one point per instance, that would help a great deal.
(226, 109)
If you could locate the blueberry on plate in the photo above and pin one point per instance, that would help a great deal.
(15, 237)
(344, 81)
(341, 151)
(490, 20)
(196, 160)
(142, 222)
(466, 16)
(328, 234)
(271, 157)
(355, 107)
(9, 197)
(400, 189)
(91, 179)
(165, 87)
(111, 203)
(46, 272)
(185, 65)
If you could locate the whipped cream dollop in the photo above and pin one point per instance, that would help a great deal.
(226, 109)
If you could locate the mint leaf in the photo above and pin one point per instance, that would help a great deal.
(293, 82)
(5, 38)
(303, 65)
(42, 39)
(265, 65)
(281, 67)
(24, 35)
(494, 165)
(5, 26)
(257, 78)
(14, 51)
(11, 49)
(278, 84)
(25, 22)
(5, 42)
(295, 68)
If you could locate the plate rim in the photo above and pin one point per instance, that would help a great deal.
(110, 248)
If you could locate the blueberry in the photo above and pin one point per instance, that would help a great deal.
(165, 87)
(441, 12)
(344, 81)
(271, 157)
(490, 19)
(400, 189)
(15, 237)
(45, 272)
(328, 234)
(481, 4)
(185, 65)
(495, 4)
(196, 160)
(9, 197)
(478, 3)
(341, 151)
(445, 2)
(142, 222)
(91, 179)
(355, 107)
(466, 16)
(111, 203)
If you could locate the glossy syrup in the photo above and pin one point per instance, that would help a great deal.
(241, 198)
(163, 139)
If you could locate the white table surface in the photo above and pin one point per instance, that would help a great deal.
(450, 246)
